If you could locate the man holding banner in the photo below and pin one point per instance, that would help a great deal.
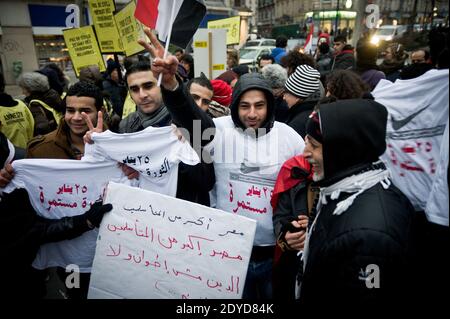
(248, 149)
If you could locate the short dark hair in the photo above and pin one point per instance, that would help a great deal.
(140, 66)
(83, 88)
(346, 84)
(340, 38)
(366, 56)
(426, 53)
(179, 50)
(267, 57)
(202, 80)
(294, 58)
(281, 41)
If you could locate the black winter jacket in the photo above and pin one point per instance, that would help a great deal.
(299, 113)
(23, 232)
(375, 230)
(344, 60)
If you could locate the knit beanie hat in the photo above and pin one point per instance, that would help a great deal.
(303, 82)
(313, 128)
(222, 92)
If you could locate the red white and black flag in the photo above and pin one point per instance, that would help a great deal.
(187, 15)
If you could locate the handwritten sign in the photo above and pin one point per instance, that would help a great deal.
(130, 30)
(155, 246)
(83, 48)
(105, 25)
(232, 25)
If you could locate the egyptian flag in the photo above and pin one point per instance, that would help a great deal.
(307, 48)
(156, 15)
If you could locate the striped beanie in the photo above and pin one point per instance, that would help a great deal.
(303, 82)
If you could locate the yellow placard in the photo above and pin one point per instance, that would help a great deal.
(83, 48)
(231, 24)
(105, 25)
(200, 44)
(130, 30)
(218, 67)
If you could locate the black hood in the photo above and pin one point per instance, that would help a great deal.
(247, 82)
(354, 133)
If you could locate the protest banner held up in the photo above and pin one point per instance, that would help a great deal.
(83, 48)
(155, 246)
(105, 25)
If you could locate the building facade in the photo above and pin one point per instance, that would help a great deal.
(289, 17)
(31, 30)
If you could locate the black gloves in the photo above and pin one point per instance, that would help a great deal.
(52, 230)
(95, 214)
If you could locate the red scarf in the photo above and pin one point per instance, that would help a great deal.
(285, 181)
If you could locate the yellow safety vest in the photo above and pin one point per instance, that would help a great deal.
(128, 107)
(17, 123)
(56, 114)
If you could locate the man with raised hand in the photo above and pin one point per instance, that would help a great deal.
(247, 149)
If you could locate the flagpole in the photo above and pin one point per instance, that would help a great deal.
(166, 50)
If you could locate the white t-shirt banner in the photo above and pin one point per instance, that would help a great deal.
(155, 246)
(59, 188)
(437, 204)
(155, 152)
(246, 170)
(418, 113)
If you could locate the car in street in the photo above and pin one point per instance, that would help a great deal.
(260, 42)
(388, 33)
(251, 55)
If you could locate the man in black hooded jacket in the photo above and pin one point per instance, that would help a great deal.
(359, 246)
(247, 149)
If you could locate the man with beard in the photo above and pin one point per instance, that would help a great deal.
(359, 245)
(247, 150)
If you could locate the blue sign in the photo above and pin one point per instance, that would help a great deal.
(49, 15)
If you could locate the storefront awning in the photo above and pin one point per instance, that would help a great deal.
(318, 15)
(47, 30)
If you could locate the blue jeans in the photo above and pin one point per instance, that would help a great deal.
(258, 284)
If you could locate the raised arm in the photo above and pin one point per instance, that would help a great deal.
(175, 96)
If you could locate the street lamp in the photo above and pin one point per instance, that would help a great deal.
(337, 18)
(348, 4)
